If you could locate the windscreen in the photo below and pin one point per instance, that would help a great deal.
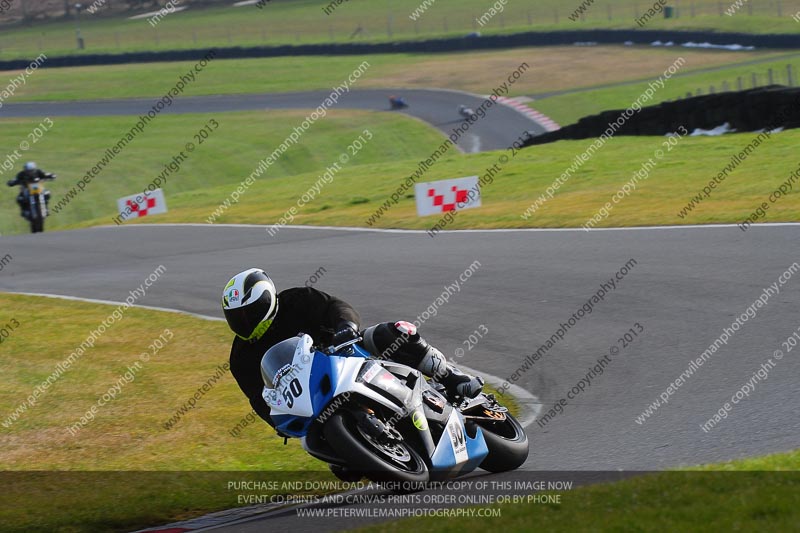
(276, 358)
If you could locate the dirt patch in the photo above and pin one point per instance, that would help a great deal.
(588, 66)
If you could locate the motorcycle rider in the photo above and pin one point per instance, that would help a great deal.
(261, 317)
(30, 173)
(396, 102)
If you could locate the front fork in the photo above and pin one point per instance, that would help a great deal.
(41, 202)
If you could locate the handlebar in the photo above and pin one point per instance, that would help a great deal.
(12, 183)
(333, 349)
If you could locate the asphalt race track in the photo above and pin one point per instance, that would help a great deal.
(436, 107)
(686, 286)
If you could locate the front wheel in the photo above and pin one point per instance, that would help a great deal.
(36, 218)
(507, 443)
(391, 460)
(37, 224)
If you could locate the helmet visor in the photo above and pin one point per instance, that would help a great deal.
(243, 322)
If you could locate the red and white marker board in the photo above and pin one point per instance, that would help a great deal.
(139, 205)
(437, 197)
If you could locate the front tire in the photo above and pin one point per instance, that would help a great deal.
(37, 220)
(397, 462)
(37, 225)
(507, 442)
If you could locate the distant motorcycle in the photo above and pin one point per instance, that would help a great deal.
(466, 112)
(35, 197)
(397, 102)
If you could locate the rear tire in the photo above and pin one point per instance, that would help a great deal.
(343, 435)
(507, 442)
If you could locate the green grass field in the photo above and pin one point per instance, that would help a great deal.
(125, 469)
(568, 108)
(127, 433)
(304, 21)
(760, 494)
(232, 151)
(368, 180)
(477, 72)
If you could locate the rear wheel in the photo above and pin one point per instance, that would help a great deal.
(379, 459)
(507, 443)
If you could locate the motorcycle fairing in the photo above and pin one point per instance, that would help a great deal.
(314, 385)
(458, 453)
(316, 374)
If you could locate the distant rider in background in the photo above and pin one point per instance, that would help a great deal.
(30, 173)
(397, 102)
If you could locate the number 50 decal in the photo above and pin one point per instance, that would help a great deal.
(294, 390)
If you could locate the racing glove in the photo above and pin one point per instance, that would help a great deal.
(345, 331)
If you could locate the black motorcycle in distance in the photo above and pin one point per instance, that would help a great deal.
(35, 199)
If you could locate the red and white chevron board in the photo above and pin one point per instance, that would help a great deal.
(546, 122)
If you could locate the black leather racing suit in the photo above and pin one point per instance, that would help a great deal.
(308, 310)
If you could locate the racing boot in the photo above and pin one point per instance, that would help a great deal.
(401, 343)
(460, 384)
(456, 383)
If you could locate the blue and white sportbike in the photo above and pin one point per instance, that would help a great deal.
(378, 419)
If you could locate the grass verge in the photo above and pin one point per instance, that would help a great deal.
(128, 432)
(209, 174)
(361, 191)
(124, 469)
(733, 496)
(478, 72)
(127, 437)
(568, 108)
(365, 184)
(306, 21)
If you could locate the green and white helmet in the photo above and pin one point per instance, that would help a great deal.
(250, 303)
